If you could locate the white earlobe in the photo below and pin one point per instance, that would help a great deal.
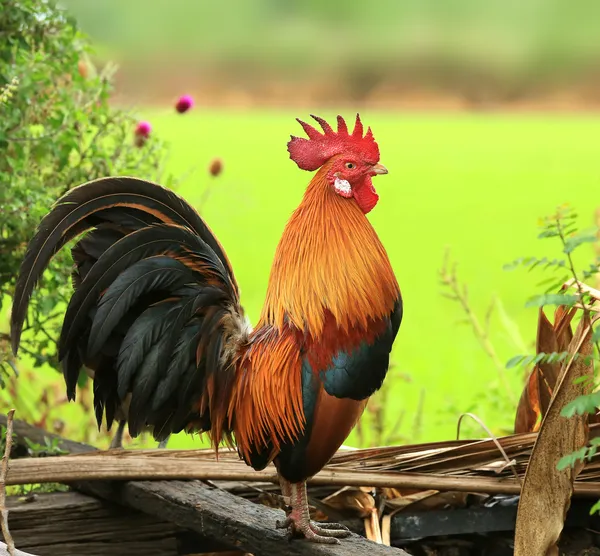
(342, 187)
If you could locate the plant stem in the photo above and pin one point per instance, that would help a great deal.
(449, 278)
(10, 545)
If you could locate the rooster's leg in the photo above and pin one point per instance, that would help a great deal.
(286, 493)
(163, 443)
(117, 440)
(298, 520)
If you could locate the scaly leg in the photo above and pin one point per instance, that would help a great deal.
(117, 440)
(163, 443)
(286, 492)
(298, 520)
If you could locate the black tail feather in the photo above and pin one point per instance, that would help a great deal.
(81, 209)
(155, 312)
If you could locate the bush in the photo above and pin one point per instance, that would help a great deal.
(57, 130)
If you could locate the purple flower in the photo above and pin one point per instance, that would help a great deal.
(143, 129)
(184, 103)
(142, 132)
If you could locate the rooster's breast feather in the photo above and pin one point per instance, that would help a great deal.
(334, 397)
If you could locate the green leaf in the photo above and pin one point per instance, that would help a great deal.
(588, 403)
(552, 299)
(548, 233)
(595, 508)
(571, 459)
(515, 361)
(571, 243)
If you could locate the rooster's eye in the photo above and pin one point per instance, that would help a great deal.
(349, 165)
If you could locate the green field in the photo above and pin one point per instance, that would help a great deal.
(475, 183)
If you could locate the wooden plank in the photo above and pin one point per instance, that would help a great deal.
(71, 524)
(4, 551)
(171, 464)
(476, 520)
(211, 512)
(215, 513)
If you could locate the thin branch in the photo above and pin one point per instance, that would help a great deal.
(42, 322)
(449, 279)
(47, 334)
(510, 463)
(597, 245)
(10, 545)
(580, 289)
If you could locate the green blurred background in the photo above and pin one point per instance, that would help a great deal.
(389, 52)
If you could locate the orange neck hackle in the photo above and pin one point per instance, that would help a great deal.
(328, 261)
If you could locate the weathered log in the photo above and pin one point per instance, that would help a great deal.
(215, 513)
(211, 512)
(71, 524)
(4, 551)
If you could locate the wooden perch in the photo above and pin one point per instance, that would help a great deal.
(127, 466)
(211, 512)
(71, 523)
(217, 514)
(4, 551)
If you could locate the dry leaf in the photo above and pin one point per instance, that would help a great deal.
(546, 492)
(372, 529)
(529, 414)
(390, 493)
(386, 530)
(537, 393)
(496, 467)
(430, 500)
(405, 501)
(354, 499)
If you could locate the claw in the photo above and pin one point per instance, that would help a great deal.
(336, 530)
(283, 524)
(298, 520)
(331, 526)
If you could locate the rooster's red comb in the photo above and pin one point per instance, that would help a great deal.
(312, 153)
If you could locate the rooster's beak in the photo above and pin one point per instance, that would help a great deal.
(379, 169)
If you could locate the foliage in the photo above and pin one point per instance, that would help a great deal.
(563, 226)
(50, 446)
(57, 130)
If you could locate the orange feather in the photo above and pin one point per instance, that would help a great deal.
(328, 259)
(267, 397)
(334, 419)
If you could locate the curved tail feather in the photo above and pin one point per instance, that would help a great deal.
(155, 314)
(94, 203)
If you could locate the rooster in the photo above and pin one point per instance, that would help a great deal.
(156, 315)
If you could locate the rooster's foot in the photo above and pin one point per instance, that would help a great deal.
(298, 520)
(324, 533)
(340, 530)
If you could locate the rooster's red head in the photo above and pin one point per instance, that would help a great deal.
(354, 158)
